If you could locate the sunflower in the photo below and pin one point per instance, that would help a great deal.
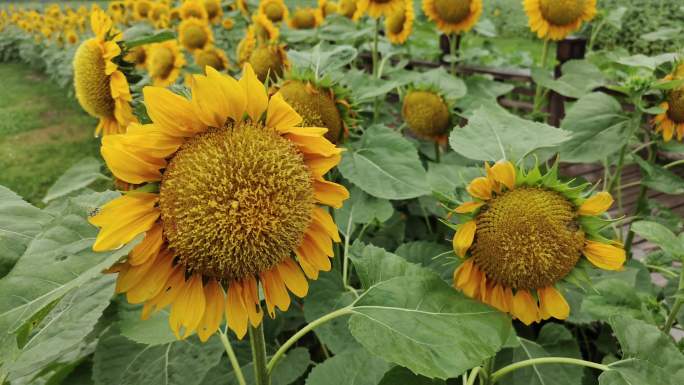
(426, 114)
(228, 23)
(275, 10)
(212, 57)
(101, 89)
(71, 36)
(158, 12)
(269, 61)
(263, 27)
(238, 206)
(137, 56)
(193, 9)
(164, 62)
(524, 232)
(142, 9)
(327, 7)
(305, 18)
(376, 8)
(214, 10)
(242, 6)
(398, 26)
(194, 34)
(671, 121)
(246, 46)
(556, 19)
(453, 16)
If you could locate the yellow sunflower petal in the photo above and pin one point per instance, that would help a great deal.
(293, 277)
(552, 303)
(504, 173)
(604, 256)
(257, 98)
(217, 97)
(169, 292)
(123, 219)
(462, 273)
(250, 295)
(154, 280)
(481, 188)
(188, 308)
(468, 207)
(281, 115)
(330, 193)
(215, 302)
(130, 276)
(597, 204)
(171, 113)
(498, 299)
(525, 307)
(275, 292)
(323, 218)
(127, 164)
(464, 237)
(236, 312)
(319, 166)
(148, 247)
(314, 145)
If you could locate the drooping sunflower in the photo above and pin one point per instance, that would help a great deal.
(101, 89)
(269, 61)
(193, 9)
(398, 26)
(453, 16)
(305, 18)
(275, 10)
(377, 8)
(426, 114)
(240, 188)
(671, 121)
(164, 62)
(195, 34)
(263, 27)
(523, 233)
(556, 19)
(214, 10)
(213, 57)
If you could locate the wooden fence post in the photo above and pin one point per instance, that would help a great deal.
(567, 49)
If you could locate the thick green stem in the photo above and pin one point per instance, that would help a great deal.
(453, 40)
(473, 375)
(376, 72)
(258, 343)
(309, 327)
(539, 91)
(677, 305)
(438, 151)
(675, 163)
(233, 359)
(544, 360)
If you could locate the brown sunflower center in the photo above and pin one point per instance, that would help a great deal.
(562, 12)
(381, 1)
(194, 36)
(676, 106)
(452, 11)
(212, 8)
(303, 19)
(527, 238)
(267, 62)
(161, 62)
(274, 11)
(395, 23)
(137, 55)
(426, 114)
(90, 81)
(210, 58)
(235, 201)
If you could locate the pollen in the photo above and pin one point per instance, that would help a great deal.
(426, 114)
(315, 106)
(527, 238)
(452, 11)
(562, 12)
(676, 106)
(91, 82)
(236, 201)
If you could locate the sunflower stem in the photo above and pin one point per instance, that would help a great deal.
(453, 39)
(258, 344)
(232, 357)
(642, 201)
(544, 360)
(438, 151)
(675, 308)
(675, 163)
(473, 376)
(376, 72)
(309, 327)
(345, 256)
(538, 94)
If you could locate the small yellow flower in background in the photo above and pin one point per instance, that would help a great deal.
(453, 16)
(275, 10)
(228, 23)
(556, 19)
(195, 34)
(212, 57)
(71, 37)
(523, 234)
(240, 204)
(376, 8)
(101, 89)
(305, 18)
(399, 25)
(164, 62)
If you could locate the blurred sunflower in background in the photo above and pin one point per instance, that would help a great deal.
(137, 56)
(426, 114)
(556, 19)
(399, 25)
(305, 18)
(269, 61)
(228, 23)
(327, 7)
(376, 8)
(164, 62)
(214, 10)
(195, 34)
(193, 9)
(671, 121)
(347, 8)
(275, 10)
(453, 16)
(142, 9)
(264, 29)
(523, 233)
(211, 56)
(239, 204)
(101, 89)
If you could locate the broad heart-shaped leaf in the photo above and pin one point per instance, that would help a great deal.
(292, 366)
(597, 124)
(635, 372)
(323, 60)
(19, 223)
(493, 133)
(646, 342)
(385, 165)
(65, 327)
(438, 257)
(78, 176)
(403, 376)
(375, 264)
(613, 296)
(650, 62)
(659, 178)
(449, 85)
(661, 236)
(579, 78)
(152, 331)
(554, 340)
(352, 367)
(121, 361)
(363, 209)
(422, 323)
(55, 262)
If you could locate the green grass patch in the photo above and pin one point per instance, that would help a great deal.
(42, 132)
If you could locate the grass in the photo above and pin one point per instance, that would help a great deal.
(42, 132)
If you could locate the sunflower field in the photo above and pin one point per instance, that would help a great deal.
(342, 192)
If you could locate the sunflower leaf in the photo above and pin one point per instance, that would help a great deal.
(78, 176)
(353, 367)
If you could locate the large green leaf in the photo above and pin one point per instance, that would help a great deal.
(322, 60)
(363, 209)
(597, 124)
(493, 133)
(121, 361)
(613, 296)
(450, 86)
(635, 372)
(661, 236)
(152, 331)
(352, 367)
(292, 366)
(438, 257)
(422, 323)
(403, 376)
(19, 223)
(659, 178)
(374, 264)
(579, 78)
(77, 177)
(385, 165)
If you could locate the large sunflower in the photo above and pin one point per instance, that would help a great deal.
(377, 8)
(237, 204)
(195, 34)
(164, 62)
(275, 10)
(398, 26)
(556, 19)
(101, 89)
(671, 121)
(524, 232)
(453, 16)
